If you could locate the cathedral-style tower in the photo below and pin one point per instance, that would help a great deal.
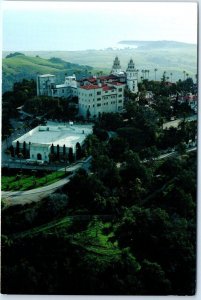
(116, 68)
(131, 76)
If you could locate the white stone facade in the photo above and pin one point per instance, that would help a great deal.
(98, 98)
(40, 139)
(131, 77)
(46, 86)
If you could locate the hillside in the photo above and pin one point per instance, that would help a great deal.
(172, 57)
(18, 66)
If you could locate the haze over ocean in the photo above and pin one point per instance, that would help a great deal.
(67, 26)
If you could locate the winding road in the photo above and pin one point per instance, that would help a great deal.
(34, 195)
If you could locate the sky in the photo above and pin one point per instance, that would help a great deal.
(65, 26)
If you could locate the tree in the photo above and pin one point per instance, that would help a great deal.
(78, 151)
(181, 148)
(70, 155)
(64, 150)
(184, 72)
(155, 70)
(24, 150)
(118, 146)
(153, 279)
(58, 152)
(52, 149)
(106, 170)
(17, 149)
(83, 188)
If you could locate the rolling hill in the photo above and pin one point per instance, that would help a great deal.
(18, 66)
(170, 56)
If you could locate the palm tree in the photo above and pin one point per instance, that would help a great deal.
(143, 71)
(148, 73)
(164, 76)
(171, 76)
(187, 75)
(137, 73)
(184, 72)
(155, 70)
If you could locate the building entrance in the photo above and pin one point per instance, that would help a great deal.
(39, 156)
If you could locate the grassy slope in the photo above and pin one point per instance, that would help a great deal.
(18, 67)
(26, 182)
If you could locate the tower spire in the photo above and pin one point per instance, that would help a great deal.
(116, 68)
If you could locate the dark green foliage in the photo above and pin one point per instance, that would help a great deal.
(58, 152)
(110, 121)
(78, 151)
(83, 188)
(50, 107)
(100, 133)
(127, 225)
(70, 155)
(118, 146)
(17, 149)
(13, 54)
(153, 235)
(22, 91)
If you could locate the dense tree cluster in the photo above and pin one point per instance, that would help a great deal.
(51, 108)
(22, 91)
(125, 226)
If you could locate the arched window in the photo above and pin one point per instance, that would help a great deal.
(39, 156)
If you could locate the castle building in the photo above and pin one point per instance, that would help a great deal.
(104, 94)
(46, 86)
(95, 94)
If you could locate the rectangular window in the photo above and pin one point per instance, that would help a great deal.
(120, 101)
(98, 104)
(98, 93)
(98, 99)
(120, 89)
(120, 95)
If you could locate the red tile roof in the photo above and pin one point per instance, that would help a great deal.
(90, 87)
(107, 88)
(91, 79)
(117, 83)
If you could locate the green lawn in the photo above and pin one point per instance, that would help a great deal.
(23, 182)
